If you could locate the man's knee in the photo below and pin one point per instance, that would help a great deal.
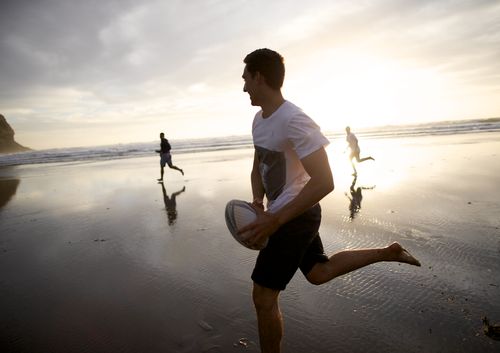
(264, 298)
(317, 275)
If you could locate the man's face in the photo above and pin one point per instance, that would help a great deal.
(251, 86)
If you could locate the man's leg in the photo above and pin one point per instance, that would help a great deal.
(268, 318)
(350, 260)
(177, 168)
(161, 173)
(359, 159)
(354, 169)
(171, 166)
(365, 159)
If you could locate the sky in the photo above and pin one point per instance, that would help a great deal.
(97, 72)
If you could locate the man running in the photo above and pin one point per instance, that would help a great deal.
(352, 141)
(165, 156)
(292, 171)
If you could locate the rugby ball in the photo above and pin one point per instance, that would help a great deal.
(239, 214)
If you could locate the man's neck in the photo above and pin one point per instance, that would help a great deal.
(272, 104)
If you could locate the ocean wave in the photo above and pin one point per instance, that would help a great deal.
(120, 151)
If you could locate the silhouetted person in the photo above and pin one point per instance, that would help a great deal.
(170, 204)
(356, 197)
(291, 170)
(165, 156)
(354, 147)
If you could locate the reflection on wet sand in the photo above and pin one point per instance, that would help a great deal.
(355, 197)
(8, 189)
(170, 203)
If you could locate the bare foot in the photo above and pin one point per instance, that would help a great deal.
(400, 254)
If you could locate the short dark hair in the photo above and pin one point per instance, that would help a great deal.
(269, 63)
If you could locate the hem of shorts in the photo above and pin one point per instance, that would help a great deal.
(267, 285)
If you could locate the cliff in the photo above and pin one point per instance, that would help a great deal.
(7, 143)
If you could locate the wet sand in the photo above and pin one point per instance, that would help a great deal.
(97, 257)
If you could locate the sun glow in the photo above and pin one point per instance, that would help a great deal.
(351, 88)
(378, 173)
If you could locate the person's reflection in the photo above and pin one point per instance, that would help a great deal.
(355, 198)
(170, 204)
(8, 189)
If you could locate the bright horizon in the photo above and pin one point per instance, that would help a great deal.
(82, 74)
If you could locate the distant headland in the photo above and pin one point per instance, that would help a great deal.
(7, 142)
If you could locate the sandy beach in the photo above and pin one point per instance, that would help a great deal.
(99, 257)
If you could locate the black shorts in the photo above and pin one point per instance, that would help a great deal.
(165, 158)
(294, 245)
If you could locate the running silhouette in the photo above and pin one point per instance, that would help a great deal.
(165, 156)
(353, 145)
(355, 198)
(170, 203)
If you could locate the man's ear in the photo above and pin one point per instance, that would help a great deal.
(260, 79)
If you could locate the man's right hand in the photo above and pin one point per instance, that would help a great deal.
(258, 204)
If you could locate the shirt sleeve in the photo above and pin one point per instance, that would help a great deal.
(305, 135)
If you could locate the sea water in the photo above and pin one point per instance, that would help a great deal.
(130, 150)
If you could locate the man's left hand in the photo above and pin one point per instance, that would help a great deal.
(262, 228)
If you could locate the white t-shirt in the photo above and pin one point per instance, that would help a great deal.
(281, 141)
(352, 140)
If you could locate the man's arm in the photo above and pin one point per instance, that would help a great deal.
(321, 184)
(257, 186)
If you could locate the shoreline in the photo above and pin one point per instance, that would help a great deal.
(222, 144)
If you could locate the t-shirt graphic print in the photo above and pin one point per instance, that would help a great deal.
(272, 169)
